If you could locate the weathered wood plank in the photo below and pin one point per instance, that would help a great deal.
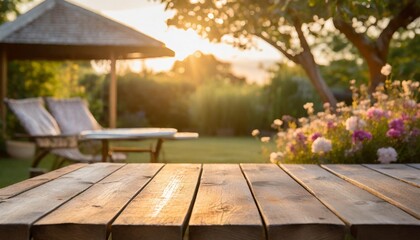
(224, 208)
(414, 165)
(18, 213)
(402, 195)
(88, 216)
(288, 210)
(368, 216)
(20, 187)
(399, 171)
(161, 209)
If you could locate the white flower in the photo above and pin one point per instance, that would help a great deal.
(406, 84)
(387, 155)
(255, 132)
(354, 123)
(278, 122)
(309, 107)
(265, 139)
(321, 145)
(386, 70)
(303, 120)
(275, 157)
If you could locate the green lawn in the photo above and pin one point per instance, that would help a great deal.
(202, 150)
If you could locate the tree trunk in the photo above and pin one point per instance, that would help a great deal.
(375, 52)
(375, 64)
(306, 60)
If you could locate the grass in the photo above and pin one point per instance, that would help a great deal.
(202, 150)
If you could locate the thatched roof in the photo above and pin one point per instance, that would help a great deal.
(57, 29)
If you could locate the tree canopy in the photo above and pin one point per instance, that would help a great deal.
(293, 26)
(9, 8)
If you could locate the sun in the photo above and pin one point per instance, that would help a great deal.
(186, 42)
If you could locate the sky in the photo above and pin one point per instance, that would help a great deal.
(149, 17)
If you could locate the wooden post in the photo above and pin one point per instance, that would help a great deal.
(3, 90)
(113, 94)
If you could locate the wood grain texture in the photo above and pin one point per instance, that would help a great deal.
(88, 216)
(399, 171)
(288, 210)
(368, 216)
(224, 207)
(402, 195)
(18, 213)
(20, 187)
(161, 209)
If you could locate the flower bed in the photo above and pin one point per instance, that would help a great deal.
(380, 127)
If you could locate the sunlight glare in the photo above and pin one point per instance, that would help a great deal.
(150, 18)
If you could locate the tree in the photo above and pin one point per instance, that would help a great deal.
(9, 8)
(285, 25)
(371, 25)
(293, 26)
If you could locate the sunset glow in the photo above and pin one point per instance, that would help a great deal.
(149, 17)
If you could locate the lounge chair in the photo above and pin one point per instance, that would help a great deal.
(44, 130)
(73, 117)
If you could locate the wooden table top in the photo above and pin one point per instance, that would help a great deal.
(214, 201)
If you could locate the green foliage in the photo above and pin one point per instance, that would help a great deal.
(94, 88)
(273, 20)
(225, 107)
(404, 57)
(9, 9)
(33, 79)
(162, 102)
(339, 73)
(287, 90)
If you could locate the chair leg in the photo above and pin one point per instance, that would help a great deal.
(41, 153)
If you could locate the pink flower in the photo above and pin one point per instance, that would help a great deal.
(331, 124)
(300, 137)
(291, 147)
(376, 113)
(394, 133)
(315, 136)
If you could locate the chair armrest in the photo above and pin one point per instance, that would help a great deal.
(52, 141)
(23, 135)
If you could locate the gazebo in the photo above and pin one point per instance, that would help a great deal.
(60, 30)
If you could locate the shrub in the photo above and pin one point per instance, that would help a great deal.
(225, 107)
(380, 127)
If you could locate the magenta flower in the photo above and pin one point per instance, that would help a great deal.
(360, 136)
(331, 124)
(315, 136)
(397, 124)
(300, 137)
(291, 147)
(394, 133)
